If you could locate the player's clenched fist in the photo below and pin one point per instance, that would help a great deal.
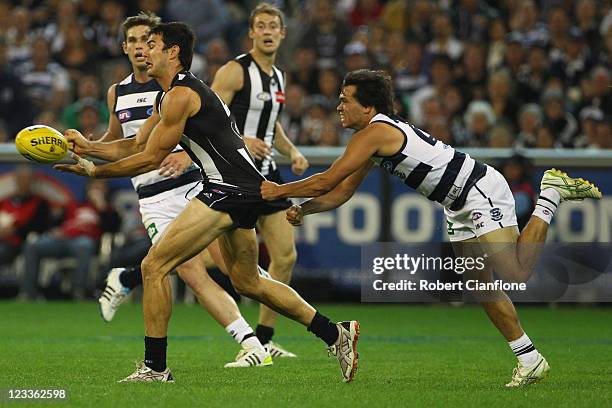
(258, 148)
(295, 215)
(76, 141)
(299, 164)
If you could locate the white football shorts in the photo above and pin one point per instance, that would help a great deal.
(489, 206)
(158, 213)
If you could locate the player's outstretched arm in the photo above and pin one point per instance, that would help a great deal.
(112, 146)
(362, 146)
(340, 194)
(299, 164)
(334, 199)
(179, 104)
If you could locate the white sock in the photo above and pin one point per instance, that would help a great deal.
(251, 341)
(524, 350)
(547, 204)
(240, 330)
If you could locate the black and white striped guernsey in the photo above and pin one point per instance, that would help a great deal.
(134, 103)
(213, 142)
(433, 168)
(258, 105)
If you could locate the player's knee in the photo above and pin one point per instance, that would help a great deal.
(151, 267)
(285, 261)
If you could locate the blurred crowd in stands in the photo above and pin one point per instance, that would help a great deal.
(513, 73)
(508, 73)
(41, 219)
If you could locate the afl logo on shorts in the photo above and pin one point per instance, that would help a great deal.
(264, 96)
(124, 115)
(150, 111)
(496, 214)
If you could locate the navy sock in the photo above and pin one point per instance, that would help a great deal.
(264, 333)
(324, 329)
(131, 277)
(155, 353)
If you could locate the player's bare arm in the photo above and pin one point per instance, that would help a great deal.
(299, 164)
(333, 199)
(229, 80)
(178, 105)
(117, 147)
(340, 194)
(363, 145)
(114, 131)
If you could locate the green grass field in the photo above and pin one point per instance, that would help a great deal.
(410, 356)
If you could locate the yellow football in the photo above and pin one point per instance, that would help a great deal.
(41, 144)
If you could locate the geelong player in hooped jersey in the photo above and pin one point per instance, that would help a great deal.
(254, 89)
(477, 200)
(228, 206)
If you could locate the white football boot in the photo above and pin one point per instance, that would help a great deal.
(569, 188)
(145, 374)
(345, 348)
(251, 357)
(522, 375)
(276, 350)
(113, 295)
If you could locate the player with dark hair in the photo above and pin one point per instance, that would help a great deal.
(477, 200)
(254, 89)
(162, 197)
(228, 205)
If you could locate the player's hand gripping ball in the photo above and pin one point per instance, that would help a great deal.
(41, 144)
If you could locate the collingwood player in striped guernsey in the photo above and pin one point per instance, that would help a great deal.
(254, 89)
(162, 198)
(477, 200)
(228, 206)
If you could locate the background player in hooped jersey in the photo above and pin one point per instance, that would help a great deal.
(162, 198)
(254, 89)
(476, 198)
(227, 207)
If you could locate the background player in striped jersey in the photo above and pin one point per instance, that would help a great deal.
(477, 200)
(162, 198)
(254, 89)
